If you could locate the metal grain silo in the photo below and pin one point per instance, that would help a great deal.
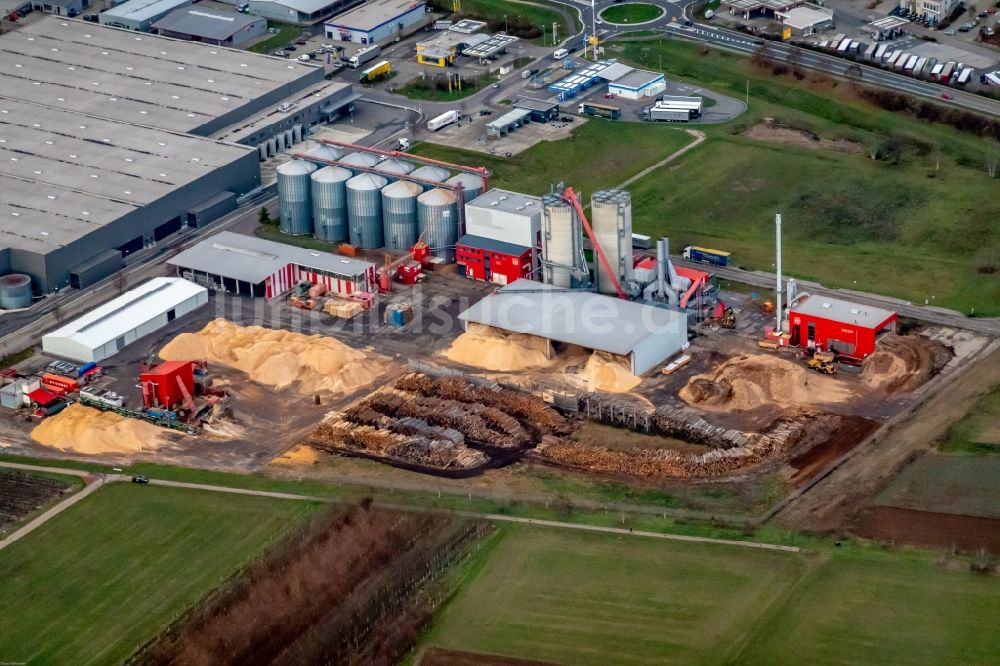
(15, 291)
(329, 203)
(472, 185)
(394, 166)
(437, 220)
(359, 159)
(562, 244)
(293, 197)
(364, 210)
(399, 214)
(611, 214)
(431, 172)
(324, 152)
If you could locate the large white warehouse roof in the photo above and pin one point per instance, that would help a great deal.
(124, 319)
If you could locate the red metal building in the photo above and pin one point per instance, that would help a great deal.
(492, 260)
(161, 385)
(849, 329)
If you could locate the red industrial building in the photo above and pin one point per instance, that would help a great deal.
(492, 260)
(849, 329)
(161, 386)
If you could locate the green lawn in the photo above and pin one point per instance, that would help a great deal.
(963, 485)
(600, 155)
(570, 598)
(978, 432)
(527, 21)
(631, 12)
(883, 610)
(106, 575)
(428, 89)
(286, 35)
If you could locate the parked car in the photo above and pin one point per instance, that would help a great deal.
(281, 54)
(946, 96)
(949, 31)
(485, 112)
(609, 95)
(305, 57)
(140, 479)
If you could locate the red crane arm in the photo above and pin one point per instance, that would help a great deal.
(570, 196)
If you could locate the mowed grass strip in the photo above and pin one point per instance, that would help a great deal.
(875, 609)
(573, 598)
(106, 575)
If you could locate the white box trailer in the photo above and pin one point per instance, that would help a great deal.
(446, 118)
(911, 63)
(879, 52)
(891, 58)
(843, 46)
(364, 55)
(919, 67)
(965, 76)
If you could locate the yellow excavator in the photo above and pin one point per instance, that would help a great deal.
(823, 361)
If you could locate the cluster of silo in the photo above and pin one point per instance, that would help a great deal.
(364, 210)
(399, 214)
(15, 291)
(359, 159)
(431, 172)
(396, 168)
(611, 217)
(438, 220)
(562, 244)
(329, 202)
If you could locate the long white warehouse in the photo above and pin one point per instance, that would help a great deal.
(106, 330)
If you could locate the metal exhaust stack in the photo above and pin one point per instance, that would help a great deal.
(661, 269)
(777, 241)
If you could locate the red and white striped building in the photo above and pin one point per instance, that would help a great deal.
(251, 266)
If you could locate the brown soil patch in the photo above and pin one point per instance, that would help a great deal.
(902, 363)
(780, 134)
(436, 656)
(591, 434)
(926, 528)
(21, 493)
(90, 431)
(752, 380)
(836, 436)
(278, 358)
(302, 454)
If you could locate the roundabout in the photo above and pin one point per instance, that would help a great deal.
(631, 13)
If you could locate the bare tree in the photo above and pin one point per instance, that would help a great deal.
(991, 164)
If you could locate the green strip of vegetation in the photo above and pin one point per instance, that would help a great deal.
(528, 21)
(14, 358)
(978, 432)
(286, 35)
(631, 12)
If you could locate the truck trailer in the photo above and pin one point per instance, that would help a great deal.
(446, 118)
(364, 55)
(706, 255)
(666, 114)
(375, 72)
(600, 110)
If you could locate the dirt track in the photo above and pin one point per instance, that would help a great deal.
(927, 528)
(835, 501)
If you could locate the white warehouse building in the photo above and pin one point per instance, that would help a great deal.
(106, 330)
(375, 21)
(638, 84)
(644, 336)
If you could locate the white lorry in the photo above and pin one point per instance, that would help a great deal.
(446, 118)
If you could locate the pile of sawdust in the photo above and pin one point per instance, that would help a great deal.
(492, 349)
(605, 372)
(90, 431)
(749, 381)
(278, 358)
(901, 363)
(300, 455)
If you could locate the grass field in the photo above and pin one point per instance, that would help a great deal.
(104, 576)
(918, 225)
(631, 12)
(600, 155)
(964, 485)
(528, 21)
(978, 432)
(569, 598)
(575, 598)
(286, 34)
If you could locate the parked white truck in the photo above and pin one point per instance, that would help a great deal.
(446, 118)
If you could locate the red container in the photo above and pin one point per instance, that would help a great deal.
(161, 386)
(59, 384)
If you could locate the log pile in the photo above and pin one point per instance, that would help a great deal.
(430, 449)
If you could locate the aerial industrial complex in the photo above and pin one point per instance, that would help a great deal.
(485, 333)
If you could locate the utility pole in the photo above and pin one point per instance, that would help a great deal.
(505, 24)
(593, 26)
(777, 243)
(555, 33)
(748, 94)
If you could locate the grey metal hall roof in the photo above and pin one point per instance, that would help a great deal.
(842, 311)
(637, 78)
(508, 202)
(583, 318)
(135, 77)
(373, 13)
(252, 259)
(503, 247)
(534, 104)
(64, 175)
(205, 23)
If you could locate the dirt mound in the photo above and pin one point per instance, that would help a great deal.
(774, 133)
(901, 363)
(85, 430)
(278, 358)
(300, 455)
(489, 348)
(605, 372)
(749, 381)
